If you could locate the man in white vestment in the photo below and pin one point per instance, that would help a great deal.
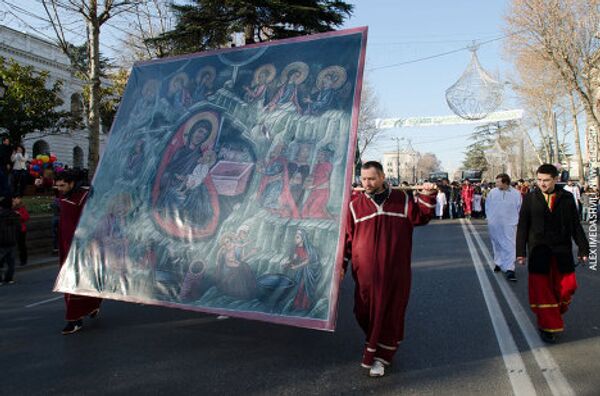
(502, 209)
(573, 189)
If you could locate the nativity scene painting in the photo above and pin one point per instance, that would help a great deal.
(223, 184)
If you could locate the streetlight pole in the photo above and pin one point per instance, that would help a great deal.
(397, 139)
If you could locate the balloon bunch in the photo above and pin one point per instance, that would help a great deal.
(41, 162)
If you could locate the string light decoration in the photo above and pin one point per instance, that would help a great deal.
(476, 93)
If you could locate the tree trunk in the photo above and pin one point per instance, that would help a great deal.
(577, 141)
(545, 144)
(94, 76)
(554, 131)
(535, 150)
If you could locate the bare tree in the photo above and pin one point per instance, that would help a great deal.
(93, 14)
(565, 34)
(427, 163)
(368, 133)
(151, 18)
(545, 95)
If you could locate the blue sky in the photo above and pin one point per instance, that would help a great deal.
(401, 31)
(405, 30)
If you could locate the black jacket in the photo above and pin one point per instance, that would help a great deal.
(5, 154)
(9, 223)
(546, 234)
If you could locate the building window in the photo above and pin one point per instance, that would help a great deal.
(77, 157)
(76, 104)
(40, 147)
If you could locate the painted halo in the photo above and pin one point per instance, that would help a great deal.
(339, 73)
(203, 116)
(150, 88)
(269, 68)
(212, 72)
(178, 77)
(299, 66)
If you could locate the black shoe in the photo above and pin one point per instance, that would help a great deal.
(510, 275)
(497, 269)
(549, 337)
(94, 313)
(72, 327)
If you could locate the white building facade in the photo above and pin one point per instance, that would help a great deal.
(70, 147)
(402, 165)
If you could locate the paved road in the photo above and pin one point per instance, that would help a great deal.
(469, 333)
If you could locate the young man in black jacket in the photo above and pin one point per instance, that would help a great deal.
(548, 222)
(9, 221)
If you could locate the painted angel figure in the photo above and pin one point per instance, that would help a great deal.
(204, 83)
(329, 80)
(146, 106)
(263, 76)
(286, 96)
(181, 98)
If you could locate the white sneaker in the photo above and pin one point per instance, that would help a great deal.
(222, 317)
(377, 370)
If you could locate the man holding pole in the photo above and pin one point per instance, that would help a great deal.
(379, 245)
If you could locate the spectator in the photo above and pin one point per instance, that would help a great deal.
(5, 164)
(477, 202)
(21, 210)
(19, 171)
(9, 222)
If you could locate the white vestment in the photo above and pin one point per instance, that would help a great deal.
(502, 210)
(575, 191)
(440, 202)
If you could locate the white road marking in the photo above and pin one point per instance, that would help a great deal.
(43, 302)
(559, 386)
(515, 367)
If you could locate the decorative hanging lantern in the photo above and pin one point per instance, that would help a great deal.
(476, 93)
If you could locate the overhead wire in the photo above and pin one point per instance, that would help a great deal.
(467, 47)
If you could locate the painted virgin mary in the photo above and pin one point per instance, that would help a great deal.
(186, 196)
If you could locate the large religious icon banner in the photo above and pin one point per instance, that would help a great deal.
(224, 181)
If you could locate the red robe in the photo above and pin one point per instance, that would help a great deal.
(71, 207)
(467, 197)
(379, 244)
(316, 203)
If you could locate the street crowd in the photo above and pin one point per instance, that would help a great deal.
(468, 199)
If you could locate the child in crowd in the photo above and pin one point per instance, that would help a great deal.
(21, 210)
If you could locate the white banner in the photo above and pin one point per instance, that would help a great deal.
(386, 123)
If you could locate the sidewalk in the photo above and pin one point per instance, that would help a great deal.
(38, 262)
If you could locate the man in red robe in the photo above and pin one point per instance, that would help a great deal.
(379, 244)
(467, 193)
(71, 205)
(548, 222)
